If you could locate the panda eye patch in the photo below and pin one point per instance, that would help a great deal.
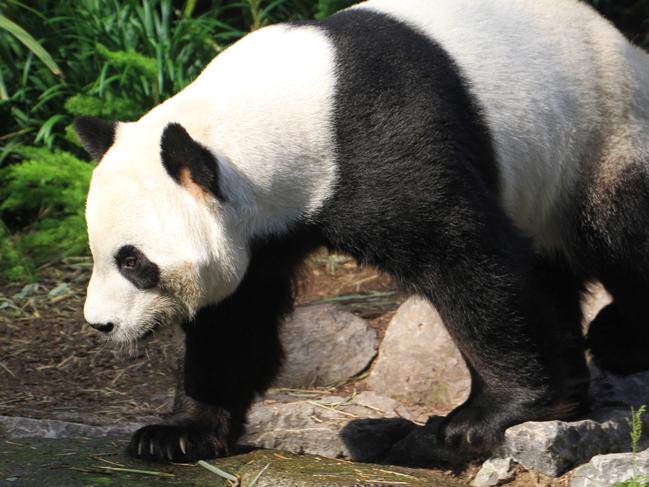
(136, 267)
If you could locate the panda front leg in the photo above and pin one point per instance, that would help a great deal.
(232, 353)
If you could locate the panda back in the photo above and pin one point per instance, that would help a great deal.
(547, 75)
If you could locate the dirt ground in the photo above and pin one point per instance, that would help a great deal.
(52, 365)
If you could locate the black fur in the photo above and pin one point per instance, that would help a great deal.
(96, 135)
(417, 197)
(232, 353)
(137, 268)
(179, 151)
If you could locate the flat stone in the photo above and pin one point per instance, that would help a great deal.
(418, 361)
(78, 462)
(494, 471)
(324, 345)
(18, 427)
(311, 425)
(554, 447)
(606, 470)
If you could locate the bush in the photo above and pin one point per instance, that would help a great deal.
(116, 59)
(43, 195)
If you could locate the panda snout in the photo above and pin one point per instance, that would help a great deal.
(103, 327)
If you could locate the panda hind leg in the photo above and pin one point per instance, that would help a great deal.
(514, 324)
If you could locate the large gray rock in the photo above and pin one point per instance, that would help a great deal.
(418, 362)
(554, 447)
(606, 470)
(324, 345)
(312, 425)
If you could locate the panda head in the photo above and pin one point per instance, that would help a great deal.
(164, 239)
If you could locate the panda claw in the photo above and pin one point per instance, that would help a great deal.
(139, 448)
(151, 449)
(183, 445)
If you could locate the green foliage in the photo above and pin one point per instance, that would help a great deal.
(635, 424)
(45, 193)
(116, 59)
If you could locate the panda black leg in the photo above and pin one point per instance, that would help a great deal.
(524, 348)
(232, 353)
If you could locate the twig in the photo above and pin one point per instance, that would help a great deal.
(261, 472)
(134, 470)
(7, 369)
(219, 472)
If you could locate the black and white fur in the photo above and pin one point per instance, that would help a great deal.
(491, 155)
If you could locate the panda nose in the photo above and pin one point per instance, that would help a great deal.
(105, 327)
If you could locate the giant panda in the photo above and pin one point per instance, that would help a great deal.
(491, 155)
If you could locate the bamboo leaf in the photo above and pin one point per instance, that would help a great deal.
(32, 44)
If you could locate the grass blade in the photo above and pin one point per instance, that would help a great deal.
(30, 43)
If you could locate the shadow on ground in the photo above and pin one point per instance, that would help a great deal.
(102, 462)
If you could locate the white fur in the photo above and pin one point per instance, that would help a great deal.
(264, 108)
(558, 85)
(555, 81)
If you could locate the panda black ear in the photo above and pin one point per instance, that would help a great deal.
(189, 163)
(96, 135)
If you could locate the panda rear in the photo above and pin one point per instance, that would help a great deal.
(423, 139)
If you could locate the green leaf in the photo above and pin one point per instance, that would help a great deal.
(32, 44)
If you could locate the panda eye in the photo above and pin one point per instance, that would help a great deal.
(130, 262)
(136, 267)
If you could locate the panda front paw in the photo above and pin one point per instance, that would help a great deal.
(176, 443)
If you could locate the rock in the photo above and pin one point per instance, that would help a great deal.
(308, 426)
(312, 425)
(610, 390)
(554, 447)
(324, 345)
(17, 427)
(418, 362)
(606, 470)
(494, 471)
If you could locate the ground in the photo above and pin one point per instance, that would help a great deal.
(52, 365)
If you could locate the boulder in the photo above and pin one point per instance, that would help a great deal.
(324, 345)
(554, 447)
(606, 470)
(311, 425)
(418, 362)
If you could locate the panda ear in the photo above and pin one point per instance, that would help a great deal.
(96, 135)
(189, 163)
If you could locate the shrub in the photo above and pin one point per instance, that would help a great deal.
(44, 195)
